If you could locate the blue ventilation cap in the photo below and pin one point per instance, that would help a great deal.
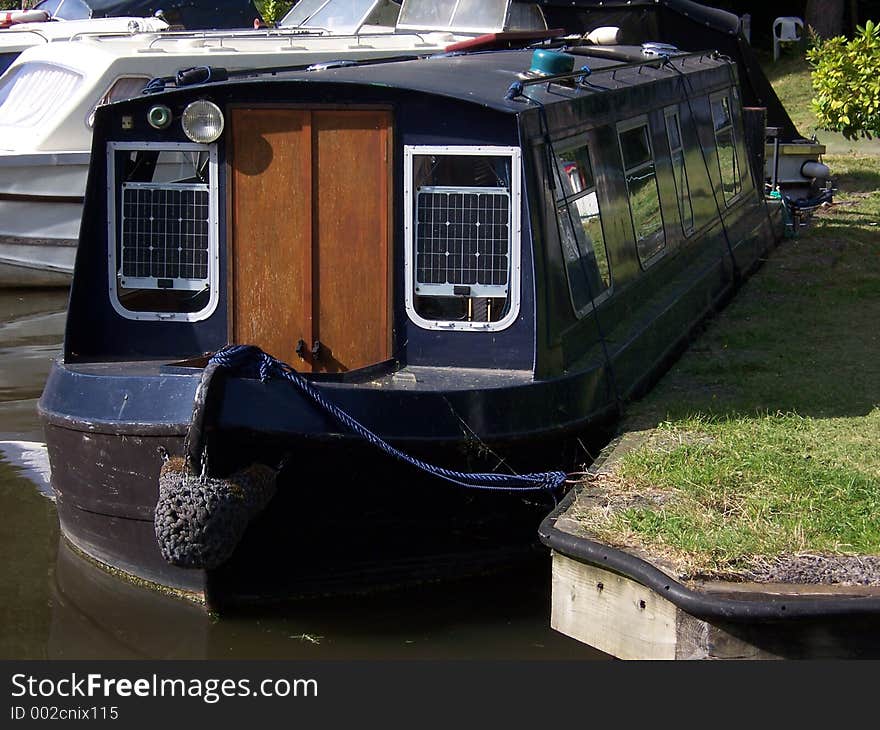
(550, 63)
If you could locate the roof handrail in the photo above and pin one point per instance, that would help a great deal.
(274, 33)
(655, 61)
(34, 31)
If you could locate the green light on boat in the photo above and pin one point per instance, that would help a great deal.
(159, 117)
(550, 63)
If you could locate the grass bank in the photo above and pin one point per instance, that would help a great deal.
(762, 442)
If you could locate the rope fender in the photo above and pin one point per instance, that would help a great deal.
(199, 520)
(251, 361)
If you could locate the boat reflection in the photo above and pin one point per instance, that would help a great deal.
(97, 615)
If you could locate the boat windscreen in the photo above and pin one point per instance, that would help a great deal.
(301, 12)
(334, 15)
(461, 15)
(65, 9)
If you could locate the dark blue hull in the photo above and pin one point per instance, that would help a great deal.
(105, 426)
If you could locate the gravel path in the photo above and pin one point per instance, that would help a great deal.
(821, 569)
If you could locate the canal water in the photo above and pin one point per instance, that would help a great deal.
(53, 604)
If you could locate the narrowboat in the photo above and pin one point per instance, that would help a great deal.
(458, 257)
(44, 148)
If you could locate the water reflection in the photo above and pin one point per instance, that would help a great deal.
(97, 615)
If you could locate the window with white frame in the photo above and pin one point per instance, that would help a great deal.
(163, 230)
(462, 236)
(581, 236)
(641, 184)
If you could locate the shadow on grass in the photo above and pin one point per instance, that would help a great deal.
(859, 181)
(801, 336)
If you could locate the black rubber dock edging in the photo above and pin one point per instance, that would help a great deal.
(697, 603)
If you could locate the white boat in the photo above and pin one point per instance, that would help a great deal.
(48, 97)
(20, 36)
(60, 20)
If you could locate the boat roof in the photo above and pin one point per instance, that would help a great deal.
(24, 35)
(490, 75)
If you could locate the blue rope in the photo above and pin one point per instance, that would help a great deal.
(251, 361)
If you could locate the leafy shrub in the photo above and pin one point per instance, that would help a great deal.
(10, 4)
(273, 10)
(846, 81)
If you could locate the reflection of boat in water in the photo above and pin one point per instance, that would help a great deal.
(95, 615)
(414, 245)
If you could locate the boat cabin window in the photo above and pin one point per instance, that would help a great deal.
(125, 87)
(32, 93)
(524, 16)
(462, 236)
(580, 229)
(679, 170)
(641, 185)
(162, 231)
(725, 146)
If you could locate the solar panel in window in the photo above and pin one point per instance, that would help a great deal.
(165, 232)
(462, 238)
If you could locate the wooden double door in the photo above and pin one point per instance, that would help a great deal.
(310, 235)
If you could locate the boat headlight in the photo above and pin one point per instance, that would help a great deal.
(159, 117)
(202, 121)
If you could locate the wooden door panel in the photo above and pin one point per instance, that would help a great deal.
(310, 218)
(351, 169)
(272, 229)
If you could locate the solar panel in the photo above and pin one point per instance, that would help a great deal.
(462, 240)
(165, 236)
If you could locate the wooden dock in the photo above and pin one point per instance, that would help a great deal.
(632, 607)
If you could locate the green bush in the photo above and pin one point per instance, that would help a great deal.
(273, 10)
(846, 81)
(10, 4)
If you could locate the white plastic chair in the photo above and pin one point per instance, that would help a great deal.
(787, 29)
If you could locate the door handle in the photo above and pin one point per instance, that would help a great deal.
(301, 349)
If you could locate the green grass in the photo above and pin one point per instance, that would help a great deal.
(765, 433)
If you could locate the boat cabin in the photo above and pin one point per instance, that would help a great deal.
(381, 212)
(464, 250)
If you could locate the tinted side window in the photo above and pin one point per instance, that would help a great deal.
(641, 184)
(580, 228)
(725, 146)
(679, 171)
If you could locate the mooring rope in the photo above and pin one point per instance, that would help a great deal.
(251, 361)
